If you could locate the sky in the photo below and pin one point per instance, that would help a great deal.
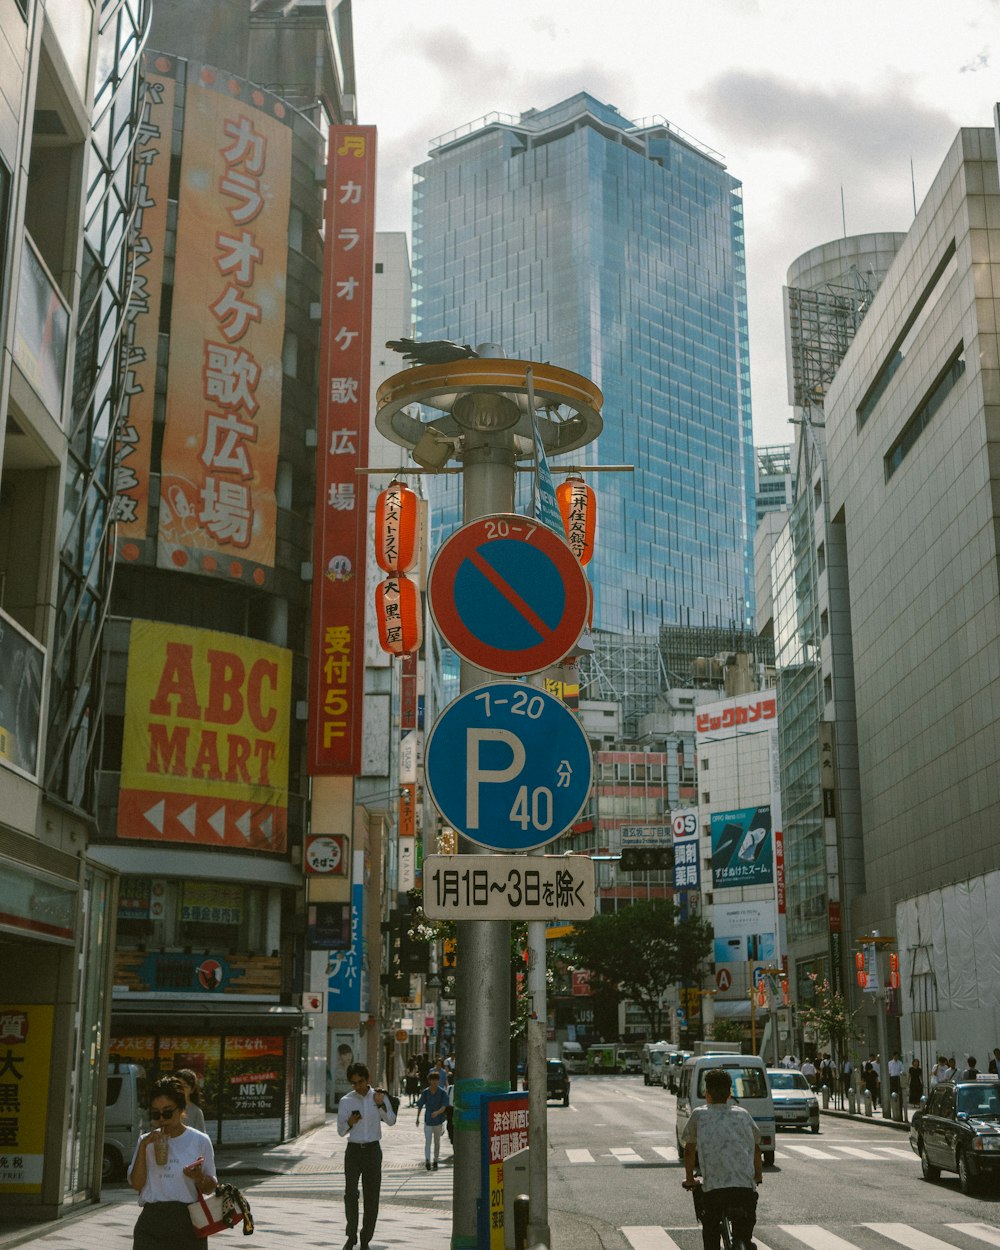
(818, 109)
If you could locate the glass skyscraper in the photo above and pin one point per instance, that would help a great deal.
(574, 236)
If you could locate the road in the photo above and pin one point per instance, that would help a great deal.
(855, 1186)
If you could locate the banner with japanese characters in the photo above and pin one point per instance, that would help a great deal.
(25, 1070)
(205, 756)
(149, 227)
(336, 671)
(503, 1132)
(223, 411)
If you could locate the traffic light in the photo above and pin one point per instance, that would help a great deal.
(646, 858)
(449, 955)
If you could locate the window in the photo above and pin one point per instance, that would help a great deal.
(824, 623)
(817, 492)
(828, 688)
(916, 425)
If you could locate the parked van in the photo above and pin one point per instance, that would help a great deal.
(124, 1117)
(629, 1060)
(750, 1090)
(574, 1057)
(654, 1056)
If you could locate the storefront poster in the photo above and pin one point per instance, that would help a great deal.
(207, 728)
(504, 1127)
(254, 1077)
(25, 1065)
(212, 902)
(744, 932)
(742, 847)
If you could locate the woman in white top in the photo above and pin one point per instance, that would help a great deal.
(194, 1117)
(165, 1189)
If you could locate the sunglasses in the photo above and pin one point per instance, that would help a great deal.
(162, 1115)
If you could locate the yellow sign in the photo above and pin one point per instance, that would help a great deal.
(25, 1063)
(207, 718)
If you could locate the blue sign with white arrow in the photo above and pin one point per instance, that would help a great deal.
(508, 766)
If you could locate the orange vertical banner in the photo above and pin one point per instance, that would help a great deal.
(337, 659)
(223, 419)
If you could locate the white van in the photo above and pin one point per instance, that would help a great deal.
(574, 1057)
(124, 1117)
(750, 1090)
(654, 1055)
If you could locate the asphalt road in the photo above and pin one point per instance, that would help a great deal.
(854, 1186)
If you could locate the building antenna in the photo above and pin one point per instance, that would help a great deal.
(843, 210)
(913, 187)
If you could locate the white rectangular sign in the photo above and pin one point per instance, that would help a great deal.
(509, 887)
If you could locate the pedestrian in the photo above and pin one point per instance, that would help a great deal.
(940, 1071)
(869, 1076)
(434, 1104)
(971, 1073)
(846, 1074)
(194, 1117)
(725, 1141)
(896, 1070)
(994, 1065)
(172, 1164)
(916, 1090)
(952, 1068)
(360, 1116)
(808, 1070)
(828, 1073)
(411, 1082)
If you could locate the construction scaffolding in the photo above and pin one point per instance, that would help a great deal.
(821, 324)
(626, 669)
(687, 652)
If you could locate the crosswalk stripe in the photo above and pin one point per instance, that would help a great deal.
(625, 1153)
(912, 1238)
(897, 1152)
(665, 1152)
(856, 1152)
(579, 1156)
(649, 1237)
(811, 1152)
(816, 1237)
(982, 1232)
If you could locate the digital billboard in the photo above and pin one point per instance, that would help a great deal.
(742, 847)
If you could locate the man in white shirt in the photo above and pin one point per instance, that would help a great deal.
(360, 1116)
(896, 1070)
(808, 1070)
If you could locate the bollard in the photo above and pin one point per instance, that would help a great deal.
(868, 1102)
(852, 1102)
(894, 1106)
(521, 1222)
(826, 1096)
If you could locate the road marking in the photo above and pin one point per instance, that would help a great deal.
(625, 1153)
(982, 1232)
(897, 1152)
(856, 1153)
(579, 1156)
(816, 1237)
(666, 1152)
(649, 1237)
(913, 1238)
(811, 1152)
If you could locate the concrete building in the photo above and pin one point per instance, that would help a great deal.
(774, 480)
(69, 115)
(912, 439)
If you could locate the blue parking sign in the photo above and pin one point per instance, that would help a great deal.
(508, 766)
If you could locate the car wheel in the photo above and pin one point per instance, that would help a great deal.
(111, 1165)
(769, 1158)
(968, 1178)
(566, 1099)
(814, 1128)
(645, 1079)
(929, 1170)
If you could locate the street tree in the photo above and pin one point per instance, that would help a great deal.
(829, 1018)
(640, 952)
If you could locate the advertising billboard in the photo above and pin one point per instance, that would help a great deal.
(744, 932)
(742, 847)
(26, 1038)
(223, 412)
(149, 227)
(337, 659)
(205, 755)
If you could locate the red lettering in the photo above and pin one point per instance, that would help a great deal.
(262, 670)
(265, 752)
(225, 695)
(206, 766)
(239, 753)
(168, 754)
(176, 681)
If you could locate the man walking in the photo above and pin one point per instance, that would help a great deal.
(726, 1142)
(433, 1102)
(896, 1070)
(360, 1116)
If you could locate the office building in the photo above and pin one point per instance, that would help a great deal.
(615, 249)
(773, 479)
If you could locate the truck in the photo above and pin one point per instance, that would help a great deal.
(717, 1048)
(602, 1057)
(124, 1117)
(654, 1056)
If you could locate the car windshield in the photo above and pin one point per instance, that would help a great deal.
(787, 1080)
(978, 1100)
(747, 1082)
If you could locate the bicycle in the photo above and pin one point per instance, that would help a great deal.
(731, 1214)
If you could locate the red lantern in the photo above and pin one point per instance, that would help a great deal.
(578, 505)
(397, 607)
(397, 528)
(863, 979)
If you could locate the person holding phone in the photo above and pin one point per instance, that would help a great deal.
(172, 1164)
(360, 1116)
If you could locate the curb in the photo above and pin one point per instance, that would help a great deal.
(899, 1125)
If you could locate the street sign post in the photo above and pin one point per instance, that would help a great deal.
(508, 595)
(508, 766)
(509, 887)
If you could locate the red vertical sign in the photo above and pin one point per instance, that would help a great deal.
(337, 658)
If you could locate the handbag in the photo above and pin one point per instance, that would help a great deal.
(214, 1213)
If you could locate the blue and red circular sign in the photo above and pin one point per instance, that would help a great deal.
(509, 595)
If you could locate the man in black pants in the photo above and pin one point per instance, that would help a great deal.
(360, 1116)
(726, 1142)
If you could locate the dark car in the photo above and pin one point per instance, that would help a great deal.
(958, 1130)
(556, 1081)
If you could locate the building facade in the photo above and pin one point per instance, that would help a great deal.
(575, 236)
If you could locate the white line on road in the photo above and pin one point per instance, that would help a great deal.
(982, 1232)
(856, 1153)
(649, 1237)
(816, 1237)
(811, 1152)
(897, 1152)
(666, 1152)
(579, 1156)
(912, 1238)
(625, 1153)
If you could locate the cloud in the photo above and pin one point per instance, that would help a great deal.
(978, 62)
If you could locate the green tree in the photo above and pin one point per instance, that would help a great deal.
(728, 1031)
(830, 1018)
(640, 952)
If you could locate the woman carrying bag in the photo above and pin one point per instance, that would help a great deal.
(170, 1167)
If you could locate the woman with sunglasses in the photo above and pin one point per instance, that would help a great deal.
(165, 1188)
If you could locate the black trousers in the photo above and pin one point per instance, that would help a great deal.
(362, 1162)
(165, 1226)
(708, 1206)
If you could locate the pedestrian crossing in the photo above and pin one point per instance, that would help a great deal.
(960, 1236)
(829, 1152)
(397, 1185)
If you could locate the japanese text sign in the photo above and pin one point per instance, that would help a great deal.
(504, 1131)
(218, 510)
(749, 713)
(742, 847)
(336, 675)
(509, 887)
(25, 1069)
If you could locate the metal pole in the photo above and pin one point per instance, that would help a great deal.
(482, 1022)
(538, 1154)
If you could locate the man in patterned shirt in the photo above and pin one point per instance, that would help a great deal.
(726, 1142)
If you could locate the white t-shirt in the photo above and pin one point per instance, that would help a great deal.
(725, 1136)
(168, 1183)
